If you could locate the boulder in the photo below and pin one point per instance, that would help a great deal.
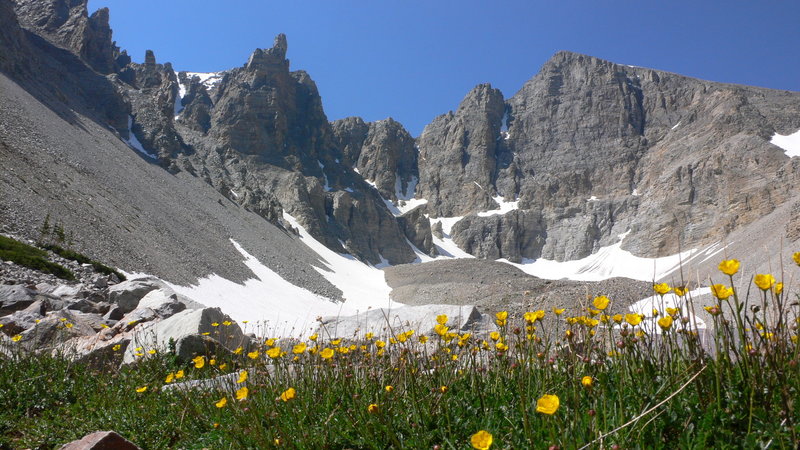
(157, 335)
(422, 319)
(16, 323)
(101, 440)
(126, 295)
(15, 297)
(52, 330)
(164, 302)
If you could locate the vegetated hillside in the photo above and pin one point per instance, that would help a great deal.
(585, 151)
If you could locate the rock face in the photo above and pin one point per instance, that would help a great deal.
(459, 153)
(594, 149)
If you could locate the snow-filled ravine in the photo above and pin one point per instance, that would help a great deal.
(286, 309)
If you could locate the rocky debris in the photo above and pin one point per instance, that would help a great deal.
(101, 440)
(386, 323)
(219, 383)
(494, 286)
(458, 155)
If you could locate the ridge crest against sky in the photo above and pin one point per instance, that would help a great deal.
(413, 60)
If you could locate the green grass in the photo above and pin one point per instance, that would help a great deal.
(31, 257)
(83, 259)
(647, 390)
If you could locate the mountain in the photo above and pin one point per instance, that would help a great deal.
(591, 170)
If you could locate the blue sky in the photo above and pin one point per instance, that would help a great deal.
(413, 60)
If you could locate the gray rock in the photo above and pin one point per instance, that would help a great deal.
(52, 330)
(126, 295)
(163, 302)
(101, 440)
(185, 323)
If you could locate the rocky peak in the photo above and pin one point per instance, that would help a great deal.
(458, 155)
(67, 24)
(350, 134)
(272, 58)
(388, 157)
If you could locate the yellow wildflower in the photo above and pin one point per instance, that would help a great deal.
(227, 323)
(199, 362)
(501, 347)
(500, 318)
(270, 342)
(221, 403)
(558, 311)
(336, 342)
(778, 288)
(721, 291)
(288, 394)
(253, 354)
(481, 440)
(494, 335)
(680, 291)
(713, 310)
(441, 319)
(729, 266)
(179, 374)
(601, 302)
(242, 376)
(661, 288)
(17, 338)
(215, 324)
(223, 366)
(587, 381)
(326, 353)
(673, 311)
(380, 344)
(633, 319)
(299, 348)
(764, 281)
(796, 258)
(274, 352)
(373, 408)
(665, 322)
(443, 389)
(389, 388)
(440, 329)
(548, 404)
(212, 362)
(152, 351)
(170, 378)
(313, 337)
(369, 336)
(238, 351)
(141, 389)
(423, 339)
(68, 325)
(241, 394)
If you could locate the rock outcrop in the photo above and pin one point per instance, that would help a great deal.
(458, 155)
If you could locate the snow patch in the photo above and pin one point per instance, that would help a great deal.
(503, 207)
(608, 262)
(636, 193)
(789, 143)
(363, 286)
(646, 306)
(327, 186)
(134, 143)
(593, 199)
(676, 125)
(287, 309)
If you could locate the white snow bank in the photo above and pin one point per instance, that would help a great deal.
(134, 143)
(287, 309)
(363, 286)
(790, 143)
(503, 205)
(608, 262)
(646, 306)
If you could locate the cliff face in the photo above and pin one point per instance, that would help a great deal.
(587, 149)
(594, 149)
